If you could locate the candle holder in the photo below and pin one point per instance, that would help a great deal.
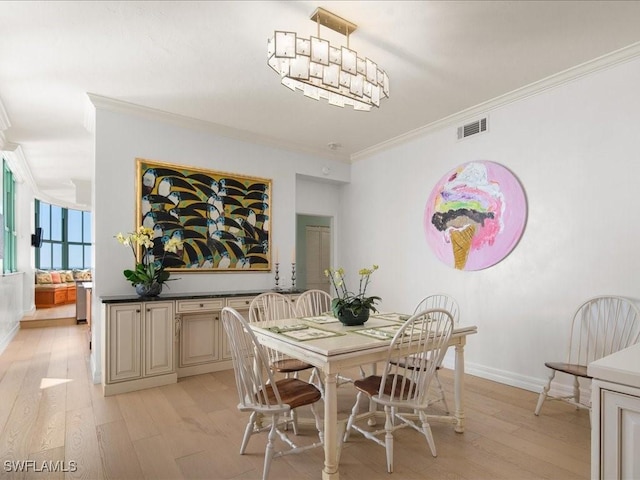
(277, 276)
(293, 276)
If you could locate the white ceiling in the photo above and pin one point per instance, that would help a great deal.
(207, 60)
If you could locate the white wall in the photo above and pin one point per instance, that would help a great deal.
(575, 150)
(16, 290)
(121, 137)
(322, 198)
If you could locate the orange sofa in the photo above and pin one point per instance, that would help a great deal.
(58, 287)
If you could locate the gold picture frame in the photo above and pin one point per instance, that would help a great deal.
(222, 218)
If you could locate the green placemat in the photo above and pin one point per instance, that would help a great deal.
(320, 319)
(396, 317)
(381, 333)
(303, 332)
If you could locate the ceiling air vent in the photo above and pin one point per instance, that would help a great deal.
(472, 128)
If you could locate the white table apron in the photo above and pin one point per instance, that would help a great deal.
(337, 353)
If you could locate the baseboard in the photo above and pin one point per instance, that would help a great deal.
(4, 342)
(531, 384)
(96, 375)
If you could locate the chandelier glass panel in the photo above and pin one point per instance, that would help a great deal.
(320, 70)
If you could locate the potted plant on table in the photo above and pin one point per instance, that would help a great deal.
(149, 275)
(351, 308)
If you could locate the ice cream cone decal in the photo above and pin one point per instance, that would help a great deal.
(461, 244)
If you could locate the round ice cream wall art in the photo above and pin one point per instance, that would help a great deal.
(475, 215)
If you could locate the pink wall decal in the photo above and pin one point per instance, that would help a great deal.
(475, 215)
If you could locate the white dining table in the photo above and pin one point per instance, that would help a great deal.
(332, 347)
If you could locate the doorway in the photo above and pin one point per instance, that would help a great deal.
(314, 252)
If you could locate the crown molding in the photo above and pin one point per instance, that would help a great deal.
(600, 63)
(19, 165)
(89, 116)
(149, 113)
(4, 118)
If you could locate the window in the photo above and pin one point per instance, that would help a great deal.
(66, 237)
(8, 211)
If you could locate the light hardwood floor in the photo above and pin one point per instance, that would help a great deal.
(49, 411)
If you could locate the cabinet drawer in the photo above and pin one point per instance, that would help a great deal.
(204, 305)
(294, 298)
(239, 302)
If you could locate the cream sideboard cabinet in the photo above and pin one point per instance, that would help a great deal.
(139, 346)
(203, 344)
(155, 342)
(615, 422)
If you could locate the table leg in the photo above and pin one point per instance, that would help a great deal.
(330, 471)
(458, 387)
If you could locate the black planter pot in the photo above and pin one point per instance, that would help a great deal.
(146, 290)
(347, 317)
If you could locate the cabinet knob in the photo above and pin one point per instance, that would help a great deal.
(202, 305)
(137, 310)
(246, 302)
(148, 309)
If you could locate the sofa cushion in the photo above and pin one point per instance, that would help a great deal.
(55, 277)
(82, 275)
(43, 278)
(67, 276)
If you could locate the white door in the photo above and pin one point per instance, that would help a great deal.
(318, 241)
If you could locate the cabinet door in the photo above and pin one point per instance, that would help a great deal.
(241, 305)
(620, 441)
(124, 333)
(226, 349)
(199, 338)
(158, 338)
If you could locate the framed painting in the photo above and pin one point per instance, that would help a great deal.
(475, 215)
(222, 218)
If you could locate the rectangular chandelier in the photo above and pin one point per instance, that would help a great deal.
(320, 70)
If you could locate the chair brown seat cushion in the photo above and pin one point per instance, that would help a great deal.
(371, 385)
(289, 365)
(293, 392)
(571, 369)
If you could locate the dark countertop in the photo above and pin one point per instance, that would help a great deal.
(187, 296)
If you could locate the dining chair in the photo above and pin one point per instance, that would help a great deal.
(601, 326)
(313, 303)
(403, 388)
(270, 306)
(448, 303)
(262, 395)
